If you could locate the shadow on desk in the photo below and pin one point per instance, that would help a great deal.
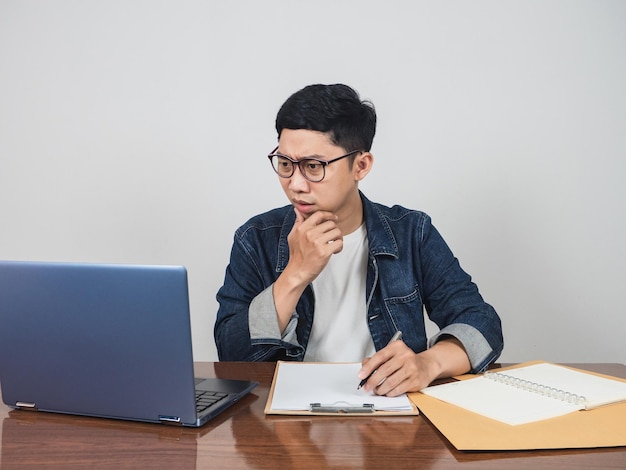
(52, 441)
(303, 442)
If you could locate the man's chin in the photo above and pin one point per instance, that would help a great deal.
(306, 210)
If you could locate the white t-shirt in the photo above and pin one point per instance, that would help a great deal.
(340, 332)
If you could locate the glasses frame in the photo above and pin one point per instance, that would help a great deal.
(295, 163)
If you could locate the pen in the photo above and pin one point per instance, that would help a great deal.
(396, 336)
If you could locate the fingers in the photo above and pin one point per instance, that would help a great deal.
(299, 216)
(316, 217)
(391, 370)
(394, 384)
(377, 368)
(320, 229)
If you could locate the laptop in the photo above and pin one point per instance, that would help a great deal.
(104, 340)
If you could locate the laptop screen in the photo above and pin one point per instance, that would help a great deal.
(97, 339)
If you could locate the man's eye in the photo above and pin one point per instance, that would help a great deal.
(312, 165)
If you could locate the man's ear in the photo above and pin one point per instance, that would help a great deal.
(362, 165)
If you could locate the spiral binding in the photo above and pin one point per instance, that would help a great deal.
(536, 388)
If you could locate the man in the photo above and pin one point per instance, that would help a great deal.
(333, 276)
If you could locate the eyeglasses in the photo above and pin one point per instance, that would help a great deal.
(313, 169)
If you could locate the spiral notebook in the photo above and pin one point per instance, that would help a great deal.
(531, 393)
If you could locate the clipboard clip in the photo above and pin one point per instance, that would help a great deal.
(341, 407)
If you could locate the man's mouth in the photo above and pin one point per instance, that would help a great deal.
(303, 206)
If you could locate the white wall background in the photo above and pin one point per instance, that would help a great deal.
(135, 131)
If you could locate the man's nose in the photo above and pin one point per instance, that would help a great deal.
(297, 181)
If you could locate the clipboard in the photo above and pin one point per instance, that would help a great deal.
(315, 384)
(600, 427)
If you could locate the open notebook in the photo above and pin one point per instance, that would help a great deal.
(531, 393)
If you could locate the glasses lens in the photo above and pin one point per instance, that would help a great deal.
(283, 166)
(312, 169)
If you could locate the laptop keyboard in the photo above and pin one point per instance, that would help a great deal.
(205, 399)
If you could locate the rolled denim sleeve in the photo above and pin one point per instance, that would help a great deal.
(263, 319)
(476, 346)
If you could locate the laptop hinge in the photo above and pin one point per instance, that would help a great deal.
(22, 405)
(169, 419)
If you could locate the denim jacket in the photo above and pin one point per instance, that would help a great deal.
(410, 269)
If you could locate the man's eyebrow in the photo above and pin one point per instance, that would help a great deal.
(305, 157)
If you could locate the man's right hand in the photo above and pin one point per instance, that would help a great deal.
(312, 241)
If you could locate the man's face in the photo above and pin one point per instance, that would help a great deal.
(337, 192)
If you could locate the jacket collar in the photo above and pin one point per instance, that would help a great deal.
(379, 234)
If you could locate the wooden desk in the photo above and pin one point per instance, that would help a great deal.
(243, 437)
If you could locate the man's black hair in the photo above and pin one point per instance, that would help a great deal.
(336, 110)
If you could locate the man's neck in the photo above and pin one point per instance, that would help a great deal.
(351, 217)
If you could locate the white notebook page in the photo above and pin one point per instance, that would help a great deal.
(514, 406)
